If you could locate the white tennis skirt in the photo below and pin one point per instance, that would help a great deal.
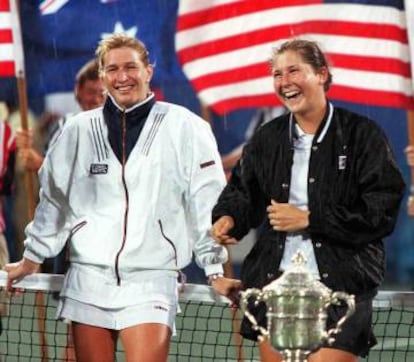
(147, 310)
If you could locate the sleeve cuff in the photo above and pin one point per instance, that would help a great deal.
(28, 254)
(214, 269)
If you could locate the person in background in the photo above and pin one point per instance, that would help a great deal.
(89, 93)
(16, 205)
(410, 160)
(130, 186)
(323, 181)
(261, 117)
(7, 166)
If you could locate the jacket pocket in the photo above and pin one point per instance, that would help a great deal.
(169, 241)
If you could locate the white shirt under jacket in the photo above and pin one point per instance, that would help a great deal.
(131, 223)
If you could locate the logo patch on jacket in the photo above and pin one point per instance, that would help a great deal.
(207, 164)
(98, 169)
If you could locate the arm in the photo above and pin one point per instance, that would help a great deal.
(242, 201)
(47, 234)
(206, 180)
(30, 158)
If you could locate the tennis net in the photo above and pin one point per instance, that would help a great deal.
(206, 327)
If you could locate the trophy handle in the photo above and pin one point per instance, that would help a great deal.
(350, 302)
(244, 304)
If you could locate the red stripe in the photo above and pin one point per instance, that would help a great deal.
(4, 5)
(365, 63)
(355, 95)
(259, 70)
(45, 6)
(7, 69)
(6, 36)
(371, 97)
(226, 11)
(271, 34)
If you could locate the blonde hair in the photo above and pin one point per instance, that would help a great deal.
(120, 40)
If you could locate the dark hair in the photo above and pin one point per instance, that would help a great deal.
(310, 52)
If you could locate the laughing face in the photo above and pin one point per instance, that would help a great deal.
(125, 76)
(297, 84)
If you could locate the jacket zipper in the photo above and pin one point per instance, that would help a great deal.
(123, 126)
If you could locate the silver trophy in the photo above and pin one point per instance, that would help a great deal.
(296, 312)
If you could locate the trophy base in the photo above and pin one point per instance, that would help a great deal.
(295, 355)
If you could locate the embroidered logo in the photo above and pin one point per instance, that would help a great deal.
(98, 169)
(160, 307)
(341, 162)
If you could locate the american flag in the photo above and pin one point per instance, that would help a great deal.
(11, 51)
(224, 47)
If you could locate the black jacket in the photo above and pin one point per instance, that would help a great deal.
(354, 190)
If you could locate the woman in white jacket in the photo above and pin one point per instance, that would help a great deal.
(130, 186)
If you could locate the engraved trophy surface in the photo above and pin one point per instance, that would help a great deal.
(296, 306)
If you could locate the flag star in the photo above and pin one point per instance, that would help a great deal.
(119, 28)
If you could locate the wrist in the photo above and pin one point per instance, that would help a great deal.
(213, 277)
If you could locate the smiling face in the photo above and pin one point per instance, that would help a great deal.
(125, 76)
(297, 84)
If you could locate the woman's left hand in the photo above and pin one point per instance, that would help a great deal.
(286, 217)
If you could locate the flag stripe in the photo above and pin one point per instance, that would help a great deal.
(365, 49)
(225, 49)
(226, 11)
(6, 52)
(259, 70)
(340, 28)
(7, 69)
(5, 20)
(6, 36)
(51, 6)
(292, 16)
(4, 5)
(342, 77)
(11, 50)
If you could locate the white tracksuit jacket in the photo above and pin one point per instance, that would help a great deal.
(127, 222)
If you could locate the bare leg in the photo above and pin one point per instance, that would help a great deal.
(147, 342)
(69, 353)
(93, 344)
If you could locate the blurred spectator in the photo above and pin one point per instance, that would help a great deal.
(409, 151)
(89, 93)
(7, 164)
(16, 204)
(262, 116)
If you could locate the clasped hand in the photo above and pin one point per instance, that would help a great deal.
(286, 217)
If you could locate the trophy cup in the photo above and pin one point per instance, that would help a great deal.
(296, 306)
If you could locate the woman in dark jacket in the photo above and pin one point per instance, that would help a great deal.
(322, 180)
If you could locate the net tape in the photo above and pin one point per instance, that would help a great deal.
(206, 327)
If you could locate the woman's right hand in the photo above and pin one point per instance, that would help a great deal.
(229, 288)
(17, 271)
(220, 231)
